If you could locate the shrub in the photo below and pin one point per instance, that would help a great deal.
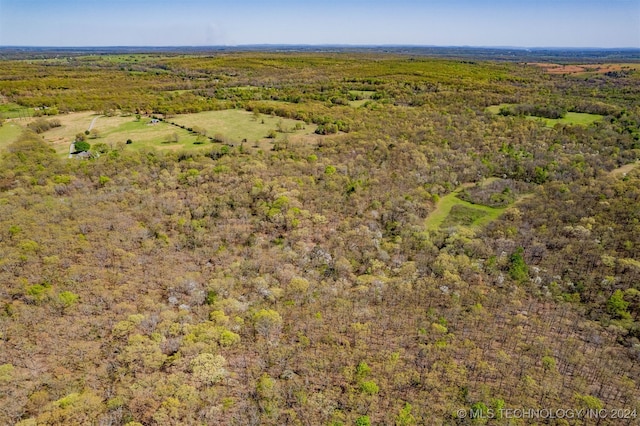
(82, 146)
(369, 387)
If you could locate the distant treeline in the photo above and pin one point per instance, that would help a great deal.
(485, 53)
(546, 111)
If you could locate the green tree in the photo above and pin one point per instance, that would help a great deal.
(81, 146)
(518, 269)
(363, 421)
(405, 418)
(617, 306)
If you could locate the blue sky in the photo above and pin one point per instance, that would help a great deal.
(524, 23)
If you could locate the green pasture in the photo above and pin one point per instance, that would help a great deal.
(145, 135)
(11, 110)
(452, 211)
(9, 132)
(229, 126)
(579, 118)
(495, 109)
(364, 94)
(574, 118)
(234, 126)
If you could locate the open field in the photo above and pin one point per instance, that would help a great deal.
(453, 211)
(111, 131)
(579, 118)
(231, 126)
(9, 131)
(575, 118)
(584, 68)
(475, 216)
(143, 134)
(623, 170)
(11, 110)
(117, 130)
(495, 109)
(238, 125)
(358, 103)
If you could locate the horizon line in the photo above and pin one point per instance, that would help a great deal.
(308, 45)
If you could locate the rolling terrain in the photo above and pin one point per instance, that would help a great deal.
(333, 238)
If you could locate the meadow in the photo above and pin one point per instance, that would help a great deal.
(571, 118)
(232, 127)
(451, 211)
(239, 126)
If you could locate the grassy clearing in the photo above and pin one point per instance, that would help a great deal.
(452, 211)
(117, 130)
(111, 131)
(495, 109)
(364, 94)
(9, 132)
(234, 126)
(72, 124)
(359, 103)
(465, 213)
(231, 126)
(574, 118)
(11, 110)
(462, 215)
(145, 135)
(623, 170)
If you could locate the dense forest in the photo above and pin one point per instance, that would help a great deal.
(307, 284)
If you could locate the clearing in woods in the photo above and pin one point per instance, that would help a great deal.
(233, 126)
(574, 118)
(228, 126)
(578, 69)
(9, 132)
(116, 130)
(452, 211)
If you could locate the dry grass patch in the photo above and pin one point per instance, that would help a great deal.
(584, 68)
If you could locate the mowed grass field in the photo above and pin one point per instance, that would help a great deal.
(237, 125)
(11, 110)
(232, 126)
(116, 130)
(452, 211)
(579, 118)
(9, 132)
